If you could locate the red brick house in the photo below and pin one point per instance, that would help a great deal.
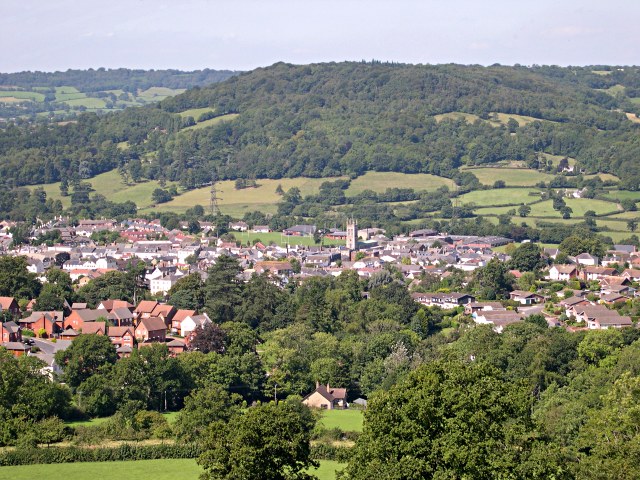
(122, 336)
(111, 305)
(145, 308)
(10, 304)
(11, 332)
(17, 349)
(152, 329)
(165, 312)
(176, 346)
(121, 317)
(94, 328)
(51, 322)
(77, 318)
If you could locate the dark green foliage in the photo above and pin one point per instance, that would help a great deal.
(16, 280)
(527, 258)
(86, 355)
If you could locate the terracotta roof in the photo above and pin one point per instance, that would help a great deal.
(182, 314)
(146, 306)
(93, 327)
(119, 331)
(5, 302)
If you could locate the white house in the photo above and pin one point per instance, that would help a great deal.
(189, 324)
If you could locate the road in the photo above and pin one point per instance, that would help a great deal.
(50, 348)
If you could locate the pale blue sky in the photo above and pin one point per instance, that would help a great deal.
(243, 34)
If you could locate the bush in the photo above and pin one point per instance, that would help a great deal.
(324, 451)
(31, 456)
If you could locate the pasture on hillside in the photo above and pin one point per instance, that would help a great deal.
(165, 469)
(512, 177)
(20, 96)
(213, 121)
(380, 181)
(500, 196)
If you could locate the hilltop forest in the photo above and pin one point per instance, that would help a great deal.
(346, 118)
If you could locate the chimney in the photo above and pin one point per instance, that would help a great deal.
(317, 384)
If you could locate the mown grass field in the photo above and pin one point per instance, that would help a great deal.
(620, 195)
(166, 469)
(279, 239)
(501, 196)
(380, 181)
(195, 112)
(512, 177)
(346, 420)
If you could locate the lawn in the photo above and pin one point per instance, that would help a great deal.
(581, 205)
(500, 196)
(346, 420)
(380, 181)
(279, 239)
(166, 469)
(514, 177)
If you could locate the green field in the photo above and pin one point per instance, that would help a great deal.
(195, 112)
(237, 202)
(346, 420)
(155, 94)
(213, 121)
(512, 177)
(623, 195)
(500, 196)
(111, 186)
(22, 95)
(166, 469)
(581, 205)
(380, 181)
(279, 239)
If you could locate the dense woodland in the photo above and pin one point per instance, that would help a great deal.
(346, 118)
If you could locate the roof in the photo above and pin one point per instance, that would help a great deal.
(162, 309)
(182, 314)
(5, 302)
(11, 327)
(120, 313)
(16, 346)
(113, 304)
(153, 324)
(93, 327)
(88, 315)
(146, 306)
(329, 393)
(78, 306)
(120, 331)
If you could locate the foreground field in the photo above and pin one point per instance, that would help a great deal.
(167, 469)
(346, 420)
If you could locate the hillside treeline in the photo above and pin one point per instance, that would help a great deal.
(347, 118)
(126, 79)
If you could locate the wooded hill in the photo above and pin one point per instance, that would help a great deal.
(347, 118)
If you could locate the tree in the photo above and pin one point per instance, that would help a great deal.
(16, 280)
(493, 280)
(205, 406)
(527, 258)
(524, 210)
(268, 441)
(632, 225)
(223, 289)
(188, 293)
(85, 356)
(209, 338)
(447, 420)
(114, 284)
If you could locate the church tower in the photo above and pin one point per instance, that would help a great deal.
(352, 234)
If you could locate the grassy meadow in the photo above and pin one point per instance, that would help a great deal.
(212, 121)
(380, 181)
(512, 177)
(165, 469)
(346, 420)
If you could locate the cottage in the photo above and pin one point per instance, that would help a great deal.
(326, 398)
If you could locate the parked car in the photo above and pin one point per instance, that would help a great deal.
(28, 341)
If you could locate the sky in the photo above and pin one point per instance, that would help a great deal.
(49, 35)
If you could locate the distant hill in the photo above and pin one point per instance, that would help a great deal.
(328, 120)
(61, 95)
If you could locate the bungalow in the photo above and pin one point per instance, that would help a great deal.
(443, 300)
(151, 329)
(276, 268)
(525, 298)
(326, 398)
(473, 307)
(563, 272)
(239, 226)
(261, 229)
(499, 319)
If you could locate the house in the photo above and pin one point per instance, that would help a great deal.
(189, 324)
(151, 329)
(9, 304)
(473, 307)
(326, 398)
(51, 323)
(179, 317)
(122, 336)
(443, 300)
(11, 332)
(300, 230)
(17, 349)
(563, 272)
(590, 273)
(261, 229)
(632, 274)
(587, 259)
(94, 328)
(598, 317)
(111, 305)
(165, 312)
(572, 303)
(78, 318)
(163, 284)
(176, 346)
(525, 298)
(144, 308)
(276, 268)
(499, 319)
(239, 226)
(121, 317)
